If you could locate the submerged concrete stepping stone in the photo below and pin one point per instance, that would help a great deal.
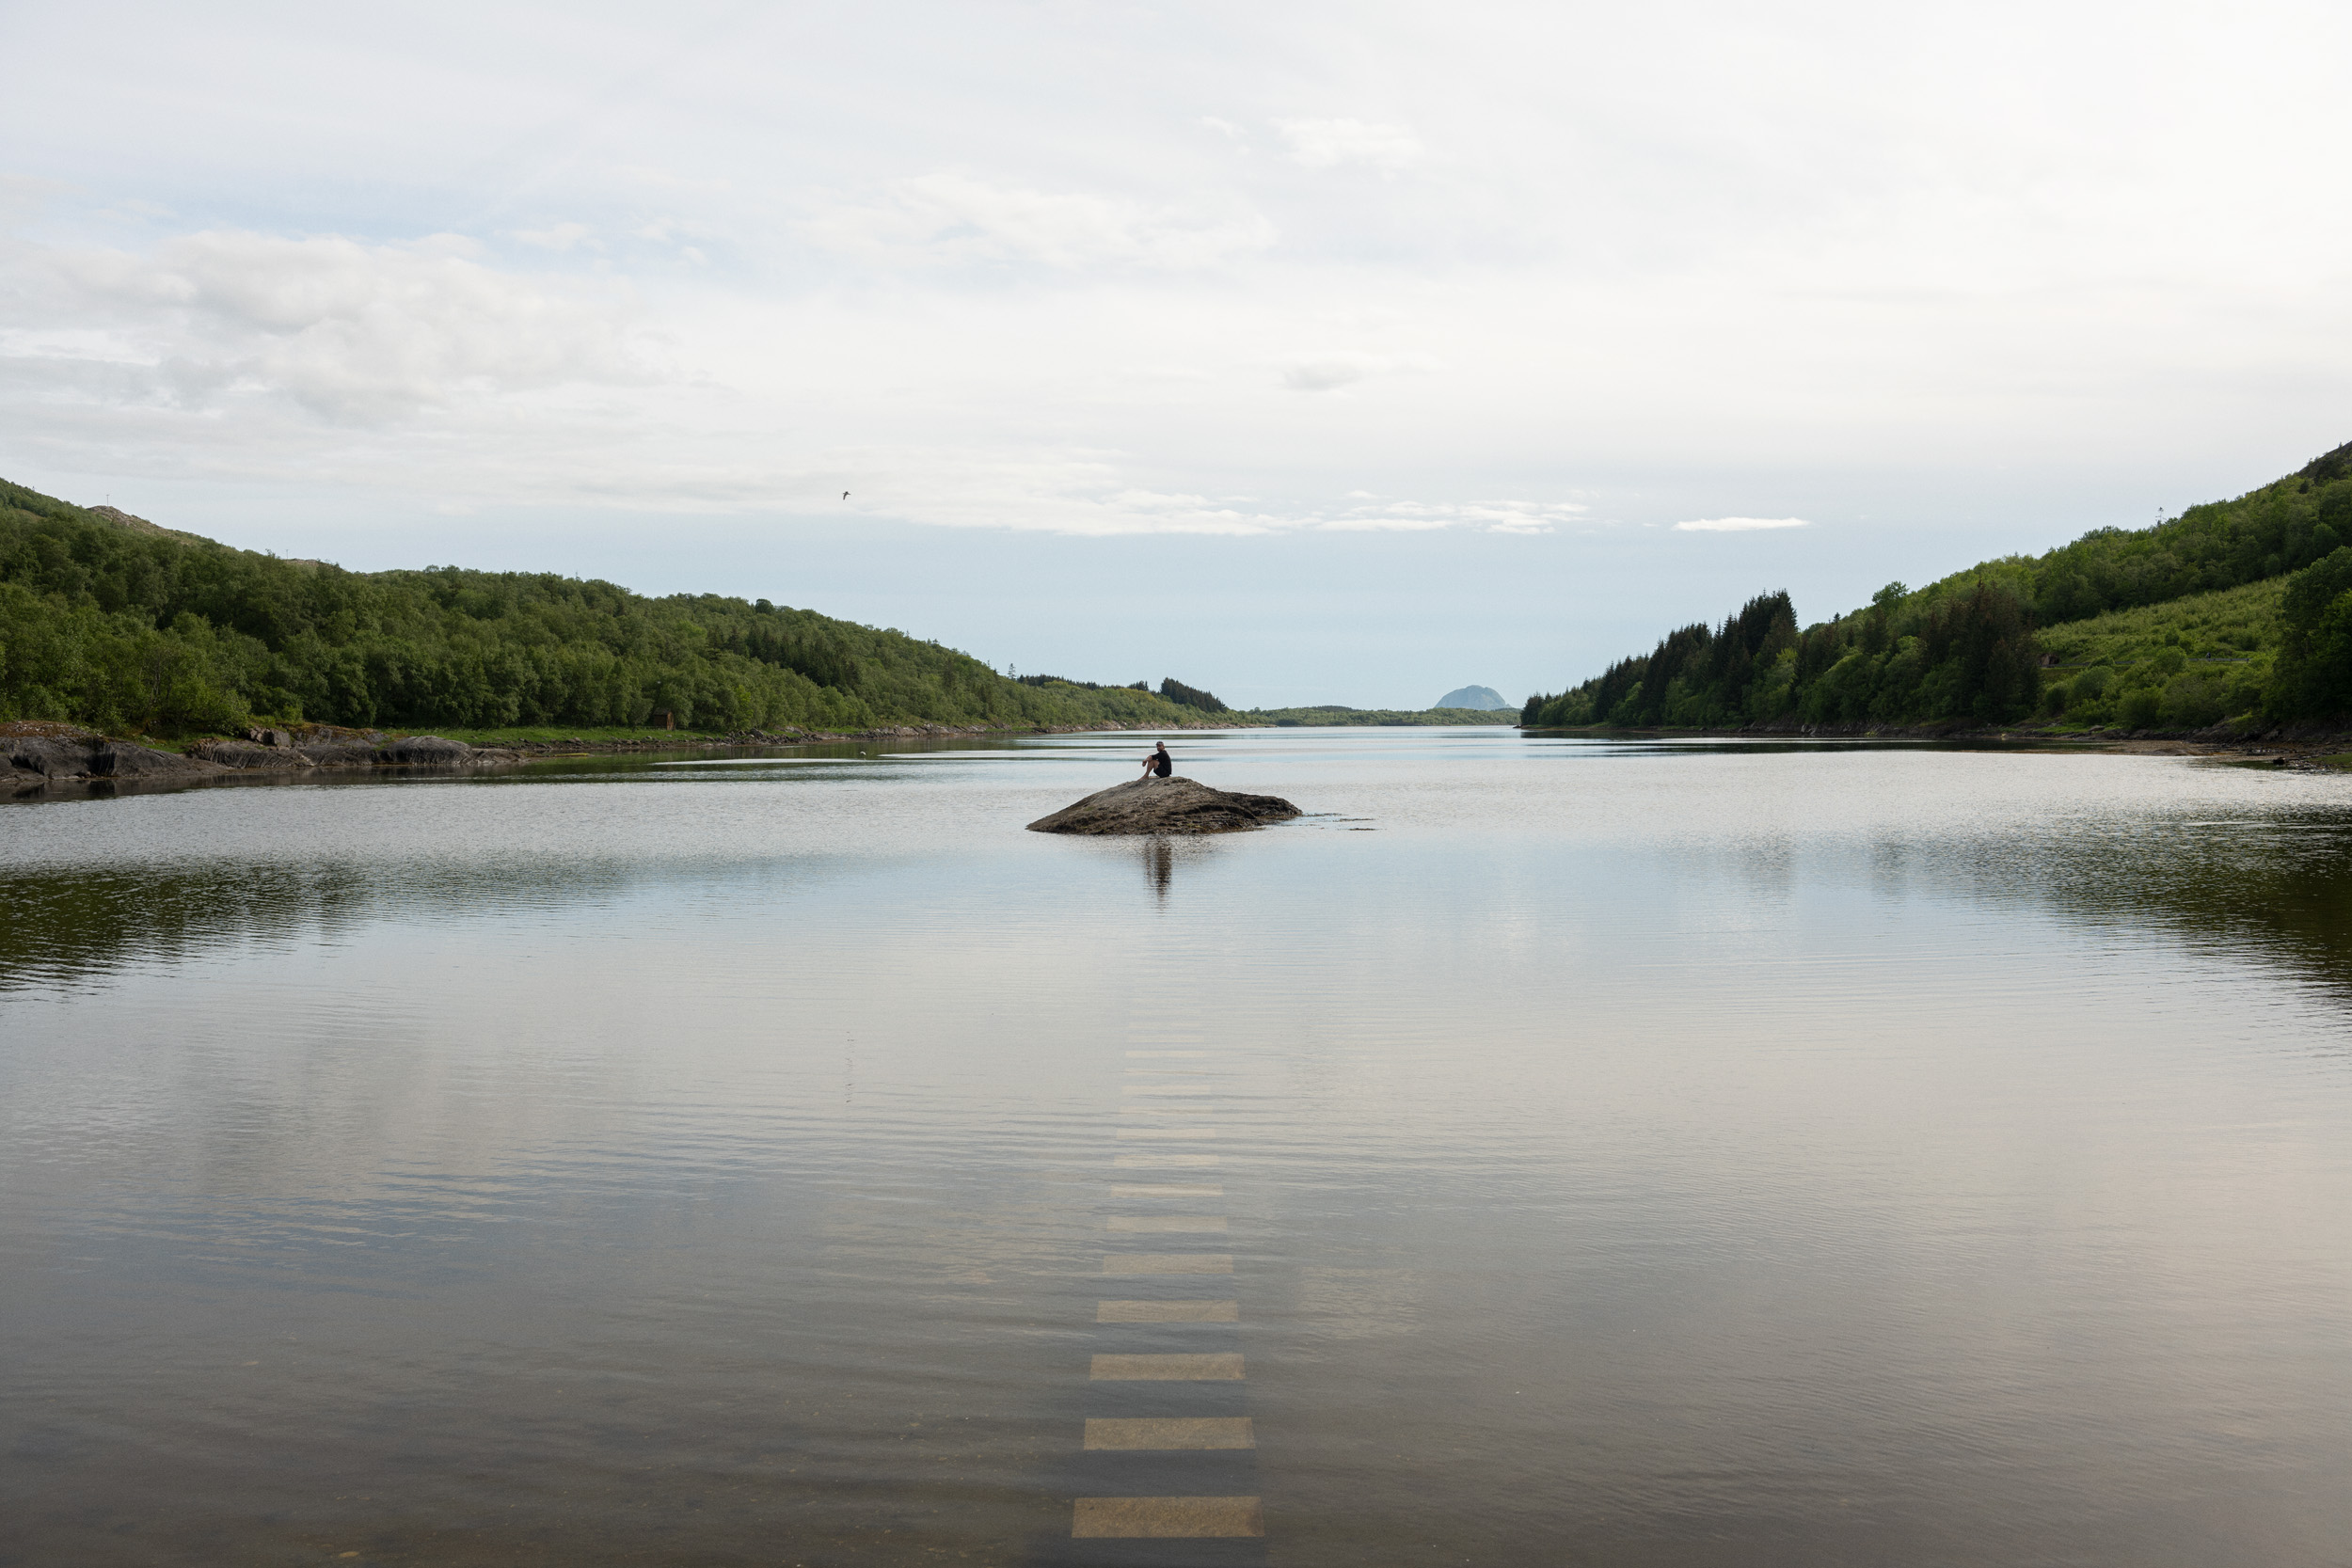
(1167, 1518)
(1168, 1311)
(1172, 1432)
(1167, 1262)
(1213, 1367)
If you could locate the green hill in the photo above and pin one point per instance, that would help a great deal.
(2237, 610)
(109, 620)
(2183, 664)
(2280, 528)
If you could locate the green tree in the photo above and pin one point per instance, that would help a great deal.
(2313, 677)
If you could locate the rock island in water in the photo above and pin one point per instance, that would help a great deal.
(1169, 806)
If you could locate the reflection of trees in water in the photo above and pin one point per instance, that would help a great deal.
(62, 929)
(2277, 886)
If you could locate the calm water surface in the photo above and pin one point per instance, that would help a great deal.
(1625, 1154)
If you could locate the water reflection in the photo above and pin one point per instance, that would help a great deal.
(72, 931)
(2279, 885)
(68, 930)
(2266, 878)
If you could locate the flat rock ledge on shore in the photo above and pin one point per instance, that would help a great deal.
(1167, 807)
(31, 763)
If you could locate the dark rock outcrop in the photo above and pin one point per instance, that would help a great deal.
(33, 761)
(53, 757)
(1165, 806)
(120, 759)
(52, 763)
(249, 754)
(426, 751)
(339, 753)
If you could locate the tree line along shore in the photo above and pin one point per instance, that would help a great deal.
(2230, 621)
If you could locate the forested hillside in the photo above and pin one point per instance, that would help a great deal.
(110, 622)
(1970, 648)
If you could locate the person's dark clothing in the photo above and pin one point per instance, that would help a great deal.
(1162, 764)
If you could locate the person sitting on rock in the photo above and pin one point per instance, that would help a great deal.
(1159, 762)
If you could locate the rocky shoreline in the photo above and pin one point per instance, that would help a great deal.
(40, 759)
(46, 764)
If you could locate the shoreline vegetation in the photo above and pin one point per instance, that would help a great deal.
(2228, 624)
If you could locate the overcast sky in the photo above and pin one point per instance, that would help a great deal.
(1308, 353)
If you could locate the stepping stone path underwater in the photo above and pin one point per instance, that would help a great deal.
(1166, 1341)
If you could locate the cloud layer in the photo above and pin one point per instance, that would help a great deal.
(950, 220)
(352, 333)
(1330, 143)
(1208, 272)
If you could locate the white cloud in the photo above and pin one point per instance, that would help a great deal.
(88, 344)
(561, 236)
(953, 219)
(355, 332)
(1739, 525)
(1328, 143)
(1505, 516)
(23, 196)
(1090, 493)
(589, 456)
(1324, 373)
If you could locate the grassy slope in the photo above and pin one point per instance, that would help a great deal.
(2198, 660)
(2267, 532)
(2208, 587)
(2235, 624)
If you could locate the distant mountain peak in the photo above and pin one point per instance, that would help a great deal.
(1485, 698)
